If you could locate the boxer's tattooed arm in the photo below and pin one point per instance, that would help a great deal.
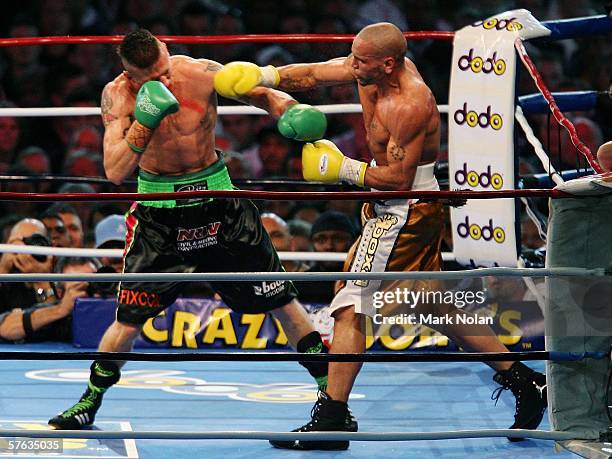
(296, 84)
(397, 153)
(106, 106)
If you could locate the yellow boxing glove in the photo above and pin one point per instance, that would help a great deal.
(323, 162)
(238, 78)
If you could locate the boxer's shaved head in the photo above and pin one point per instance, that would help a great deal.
(383, 40)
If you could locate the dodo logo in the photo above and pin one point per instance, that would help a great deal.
(477, 64)
(499, 24)
(476, 232)
(485, 179)
(473, 119)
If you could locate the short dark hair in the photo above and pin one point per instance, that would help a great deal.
(62, 208)
(63, 262)
(139, 48)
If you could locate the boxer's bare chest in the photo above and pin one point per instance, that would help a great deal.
(375, 121)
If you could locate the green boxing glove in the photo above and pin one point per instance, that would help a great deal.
(153, 103)
(302, 122)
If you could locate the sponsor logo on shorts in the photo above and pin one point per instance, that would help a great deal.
(483, 119)
(203, 186)
(188, 239)
(511, 25)
(139, 298)
(269, 289)
(485, 179)
(478, 64)
(381, 227)
(477, 232)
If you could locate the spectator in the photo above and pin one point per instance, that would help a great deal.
(26, 207)
(110, 234)
(242, 130)
(10, 133)
(87, 138)
(36, 159)
(23, 76)
(13, 295)
(56, 229)
(332, 232)
(83, 208)
(278, 230)
(49, 321)
(195, 19)
(300, 230)
(308, 211)
(273, 152)
(83, 163)
(72, 222)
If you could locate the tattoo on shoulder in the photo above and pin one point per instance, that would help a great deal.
(397, 153)
(213, 66)
(105, 106)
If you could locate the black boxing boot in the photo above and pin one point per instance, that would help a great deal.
(529, 389)
(327, 415)
(103, 375)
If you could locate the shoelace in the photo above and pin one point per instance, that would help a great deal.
(83, 404)
(497, 393)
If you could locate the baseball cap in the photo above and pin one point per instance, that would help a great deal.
(111, 228)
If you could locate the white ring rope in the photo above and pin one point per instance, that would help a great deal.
(288, 436)
(222, 110)
(537, 146)
(118, 253)
(302, 276)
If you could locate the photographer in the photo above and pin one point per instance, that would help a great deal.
(28, 231)
(49, 321)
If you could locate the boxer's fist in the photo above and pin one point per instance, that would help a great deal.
(323, 162)
(153, 103)
(238, 78)
(302, 122)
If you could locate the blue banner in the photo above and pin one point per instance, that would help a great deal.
(209, 324)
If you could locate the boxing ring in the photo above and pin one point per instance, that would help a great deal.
(234, 399)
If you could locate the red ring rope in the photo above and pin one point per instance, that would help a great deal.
(217, 39)
(554, 108)
(287, 195)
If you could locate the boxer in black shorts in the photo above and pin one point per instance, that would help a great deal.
(159, 116)
(213, 235)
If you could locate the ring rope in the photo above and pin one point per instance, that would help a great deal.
(290, 195)
(537, 146)
(554, 108)
(304, 276)
(331, 109)
(378, 357)
(118, 253)
(217, 39)
(288, 436)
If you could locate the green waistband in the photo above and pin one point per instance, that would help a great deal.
(214, 177)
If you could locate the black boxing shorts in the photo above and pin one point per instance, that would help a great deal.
(209, 235)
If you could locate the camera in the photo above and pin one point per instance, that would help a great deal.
(103, 289)
(40, 240)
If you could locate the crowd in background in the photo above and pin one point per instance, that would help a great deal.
(74, 75)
